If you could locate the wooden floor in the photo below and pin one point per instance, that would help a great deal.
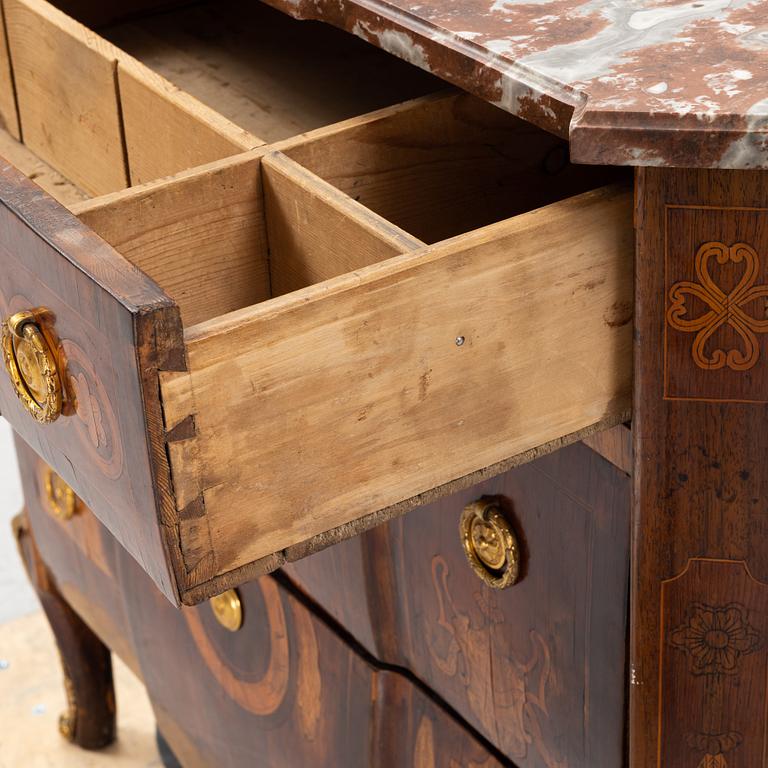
(32, 697)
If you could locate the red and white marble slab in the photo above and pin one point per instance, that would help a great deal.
(630, 82)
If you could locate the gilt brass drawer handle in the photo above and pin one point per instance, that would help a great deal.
(228, 610)
(61, 498)
(490, 543)
(31, 364)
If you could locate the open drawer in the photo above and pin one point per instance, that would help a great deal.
(265, 354)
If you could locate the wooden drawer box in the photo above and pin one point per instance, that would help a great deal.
(269, 353)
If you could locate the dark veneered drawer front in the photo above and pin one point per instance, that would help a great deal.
(538, 667)
(109, 329)
(283, 686)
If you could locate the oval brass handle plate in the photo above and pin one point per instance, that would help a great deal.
(32, 367)
(490, 543)
(61, 498)
(228, 610)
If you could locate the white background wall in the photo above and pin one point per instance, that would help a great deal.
(16, 596)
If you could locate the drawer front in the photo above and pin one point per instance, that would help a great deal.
(282, 686)
(108, 329)
(538, 667)
(78, 550)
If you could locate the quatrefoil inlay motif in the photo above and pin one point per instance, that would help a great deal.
(721, 308)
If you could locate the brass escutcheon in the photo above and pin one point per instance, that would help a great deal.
(228, 610)
(490, 543)
(32, 366)
(61, 498)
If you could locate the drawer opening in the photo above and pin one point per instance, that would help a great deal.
(287, 216)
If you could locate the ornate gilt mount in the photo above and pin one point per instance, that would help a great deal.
(32, 366)
(490, 543)
(60, 497)
(228, 610)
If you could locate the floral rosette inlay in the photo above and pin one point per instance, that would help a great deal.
(715, 638)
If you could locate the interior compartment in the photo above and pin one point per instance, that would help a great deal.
(105, 120)
(266, 72)
(455, 165)
(288, 216)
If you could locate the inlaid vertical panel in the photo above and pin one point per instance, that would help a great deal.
(714, 626)
(699, 657)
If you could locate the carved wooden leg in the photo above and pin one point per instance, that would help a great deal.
(90, 718)
(700, 573)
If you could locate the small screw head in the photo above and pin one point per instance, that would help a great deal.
(459, 341)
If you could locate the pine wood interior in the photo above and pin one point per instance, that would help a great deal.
(457, 165)
(269, 74)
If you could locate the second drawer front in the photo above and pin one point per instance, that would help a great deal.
(538, 667)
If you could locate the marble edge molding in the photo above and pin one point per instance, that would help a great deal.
(598, 133)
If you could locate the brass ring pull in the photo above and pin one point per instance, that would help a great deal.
(490, 543)
(61, 498)
(32, 367)
(228, 609)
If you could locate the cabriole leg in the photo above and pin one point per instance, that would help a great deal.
(89, 720)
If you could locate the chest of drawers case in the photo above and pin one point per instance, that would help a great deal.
(296, 293)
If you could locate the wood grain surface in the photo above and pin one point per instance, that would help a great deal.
(216, 213)
(317, 232)
(445, 164)
(65, 77)
(538, 668)
(700, 600)
(114, 329)
(354, 395)
(9, 114)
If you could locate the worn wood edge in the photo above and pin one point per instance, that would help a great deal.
(358, 121)
(54, 223)
(239, 320)
(148, 188)
(614, 445)
(243, 574)
(160, 347)
(14, 126)
(355, 527)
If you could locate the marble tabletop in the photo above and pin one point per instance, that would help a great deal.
(629, 82)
